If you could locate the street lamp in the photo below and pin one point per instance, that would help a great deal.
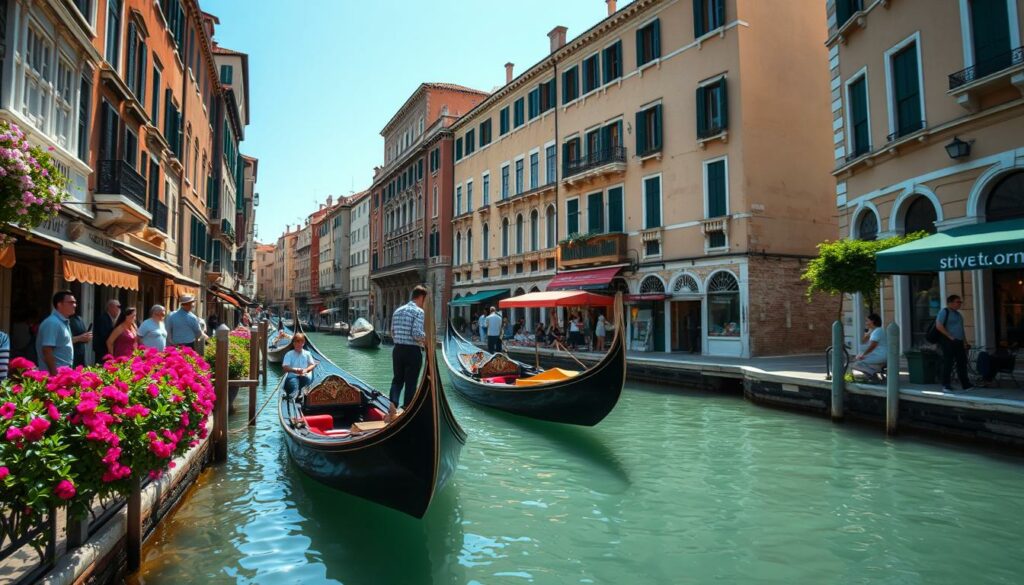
(958, 148)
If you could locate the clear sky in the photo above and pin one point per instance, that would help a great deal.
(326, 75)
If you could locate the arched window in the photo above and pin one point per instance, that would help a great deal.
(867, 226)
(652, 285)
(469, 246)
(484, 242)
(685, 284)
(458, 248)
(519, 234)
(723, 305)
(549, 229)
(1007, 199)
(534, 231)
(920, 216)
(504, 237)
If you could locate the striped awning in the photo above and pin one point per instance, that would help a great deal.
(83, 271)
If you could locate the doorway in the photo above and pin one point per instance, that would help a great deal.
(686, 326)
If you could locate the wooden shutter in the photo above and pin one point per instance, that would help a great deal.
(990, 28)
(639, 47)
(615, 210)
(641, 132)
(908, 104)
(702, 112)
(716, 189)
(723, 103)
(130, 59)
(698, 18)
(656, 139)
(652, 201)
(719, 13)
(859, 117)
(572, 216)
(595, 213)
(141, 81)
(656, 39)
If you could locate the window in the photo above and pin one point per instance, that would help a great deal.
(534, 170)
(227, 72)
(648, 130)
(470, 142)
(707, 16)
(110, 124)
(652, 202)
(113, 31)
(723, 305)
(857, 101)
(84, 112)
(487, 189)
(135, 67)
(1006, 200)
(435, 159)
(616, 220)
(503, 121)
(519, 176)
(62, 102)
(504, 182)
(469, 246)
(38, 76)
(591, 73)
(712, 109)
(458, 149)
(154, 115)
(504, 237)
(595, 213)
(518, 113)
(458, 248)
(469, 196)
(716, 193)
(549, 164)
(533, 103)
(434, 206)
(572, 217)
(570, 153)
(845, 9)
(485, 132)
(905, 82)
(519, 234)
(570, 85)
(458, 200)
(549, 227)
(534, 231)
(484, 252)
(612, 57)
(85, 9)
(990, 38)
(548, 97)
(648, 43)
(867, 226)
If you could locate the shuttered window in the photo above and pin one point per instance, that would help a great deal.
(990, 35)
(616, 222)
(503, 121)
(518, 113)
(648, 131)
(906, 91)
(708, 15)
(612, 62)
(595, 213)
(572, 217)
(652, 202)
(591, 74)
(712, 109)
(860, 137)
(570, 85)
(648, 43)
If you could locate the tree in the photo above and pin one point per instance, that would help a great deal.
(848, 267)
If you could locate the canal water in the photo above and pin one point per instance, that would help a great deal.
(673, 487)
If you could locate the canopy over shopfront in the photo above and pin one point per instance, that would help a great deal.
(597, 278)
(993, 245)
(84, 264)
(159, 266)
(565, 298)
(480, 297)
(227, 299)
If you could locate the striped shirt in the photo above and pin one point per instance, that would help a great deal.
(5, 354)
(407, 325)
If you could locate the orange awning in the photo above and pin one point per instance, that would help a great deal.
(7, 257)
(181, 290)
(157, 265)
(559, 298)
(227, 299)
(94, 274)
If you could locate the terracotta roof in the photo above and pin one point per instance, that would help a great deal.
(223, 51)
(454, 87)
(422, 88)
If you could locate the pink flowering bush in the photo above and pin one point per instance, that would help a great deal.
(84, 432)
(31, 187)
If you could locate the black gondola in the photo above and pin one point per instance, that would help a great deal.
(345, 434)
(362, 335)
(278, 342)
(584, 399)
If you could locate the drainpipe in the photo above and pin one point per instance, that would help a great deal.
(558, 156)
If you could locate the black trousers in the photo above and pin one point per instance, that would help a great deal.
(405, 362)
(954, 354)
(493, 343)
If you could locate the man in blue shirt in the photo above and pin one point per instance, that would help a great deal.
(950, 324)
(183, 327)
(406, 359)
(54, 344)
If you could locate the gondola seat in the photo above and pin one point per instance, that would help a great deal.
(510, 379)
(320, 423)
(547, 376)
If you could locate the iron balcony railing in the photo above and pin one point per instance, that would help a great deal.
(116, 177)
(595, 159)
(158, 209)
(227, 229)
(986, 68)
(714, 128)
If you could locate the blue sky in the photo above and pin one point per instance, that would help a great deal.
(326, 77)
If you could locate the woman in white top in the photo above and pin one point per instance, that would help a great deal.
(153, 333)
(600, 330)
(876, 353)
(298, 363)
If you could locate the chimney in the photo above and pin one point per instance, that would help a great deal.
(330, 199)
(508, 72)
(557, 38)
(611, 6)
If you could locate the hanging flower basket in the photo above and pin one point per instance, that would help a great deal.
(31, 188)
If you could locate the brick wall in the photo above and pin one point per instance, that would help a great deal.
(781, 320)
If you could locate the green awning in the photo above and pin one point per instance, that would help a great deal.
(998, 244)
(480, 297)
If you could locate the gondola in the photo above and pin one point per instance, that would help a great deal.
(555, 395)
(278, 342)
(363, 335)
(340, 328)
(347, 435)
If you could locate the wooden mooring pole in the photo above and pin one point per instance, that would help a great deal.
(220, 416)
(892, 379)
(838, 374)
(254, 370)
(263, 347)
(134, 528)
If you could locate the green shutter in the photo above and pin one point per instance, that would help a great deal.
(719, 13)
(595, 213)
(908, 100)
(723, 103)
(615, 210)
(652, 200)
(859, 117)
(702, 112)
(572, 216)
(565, 158)
(990, 27)
(639, 47)
(606, 138)
(656, 42)
(656, 140)
(717, 204)
(641, 133)
(698, 18)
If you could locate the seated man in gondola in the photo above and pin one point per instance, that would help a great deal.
(297, 363)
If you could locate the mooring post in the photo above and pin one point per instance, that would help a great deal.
(134, 548)
(254, 371)
(892, 378)
(220, 418)
(263, 347)
(838, 374)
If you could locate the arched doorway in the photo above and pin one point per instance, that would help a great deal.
(686, 314)
(725, 326)
(647, 315)
(924, 292)
(1005, 203)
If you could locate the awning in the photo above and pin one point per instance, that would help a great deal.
(96, 274)
(156, 265)
(561, 298)
(998, 244)
(480, 297)
(227, 299)
(181, 290)
(584, 279)
(7, 258)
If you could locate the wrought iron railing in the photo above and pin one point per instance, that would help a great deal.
(858, 151)
(158, 209)
(116, 177)
(986, 68)
(905, 129)
(595, 159)
(711, 130)
(227, 229)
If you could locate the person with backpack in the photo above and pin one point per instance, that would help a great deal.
(949, 325)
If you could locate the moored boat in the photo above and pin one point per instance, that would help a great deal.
(363, 335)
(278, 343)
(556, 395)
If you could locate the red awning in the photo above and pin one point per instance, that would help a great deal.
(227, 299)
(581, 279)
(562, 298)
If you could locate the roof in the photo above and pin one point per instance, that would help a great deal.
(219, 50)
(423, 87)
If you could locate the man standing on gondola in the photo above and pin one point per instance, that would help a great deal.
(406, 357)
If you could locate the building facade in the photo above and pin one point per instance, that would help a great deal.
(656, 154)
(358, 260)
(265, 257)
(927, 123)
(411, 198)
(301, 273)
(285, 258)
(334, 250)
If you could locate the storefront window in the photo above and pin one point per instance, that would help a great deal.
(1008, 286)
(1007, 199)
(924, 294)
(867, 226)
(723, 306)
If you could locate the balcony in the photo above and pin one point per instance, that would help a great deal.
(222, 229)
(120, 198)
(968, 85)
(716, 233)
(599, 250)
(596, 164)
(156, 232)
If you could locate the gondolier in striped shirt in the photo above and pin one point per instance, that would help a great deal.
(406, 357)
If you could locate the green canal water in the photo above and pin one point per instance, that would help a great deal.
(673, 487)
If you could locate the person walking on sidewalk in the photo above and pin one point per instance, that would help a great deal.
(494, 331)
(406, 357)
(183, 328)
(950, 324)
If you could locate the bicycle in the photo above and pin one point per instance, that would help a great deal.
(828, 361)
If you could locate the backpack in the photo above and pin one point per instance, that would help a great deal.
(932, 334)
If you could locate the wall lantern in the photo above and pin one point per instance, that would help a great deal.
(958, 148)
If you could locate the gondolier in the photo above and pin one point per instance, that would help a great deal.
(406, 359)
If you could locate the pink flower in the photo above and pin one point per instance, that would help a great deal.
(65, 490)
(4, 472)
(153, 390)
(14, 434)
(8, 409)
(35, 429)
(20, 363)
(52, 411)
